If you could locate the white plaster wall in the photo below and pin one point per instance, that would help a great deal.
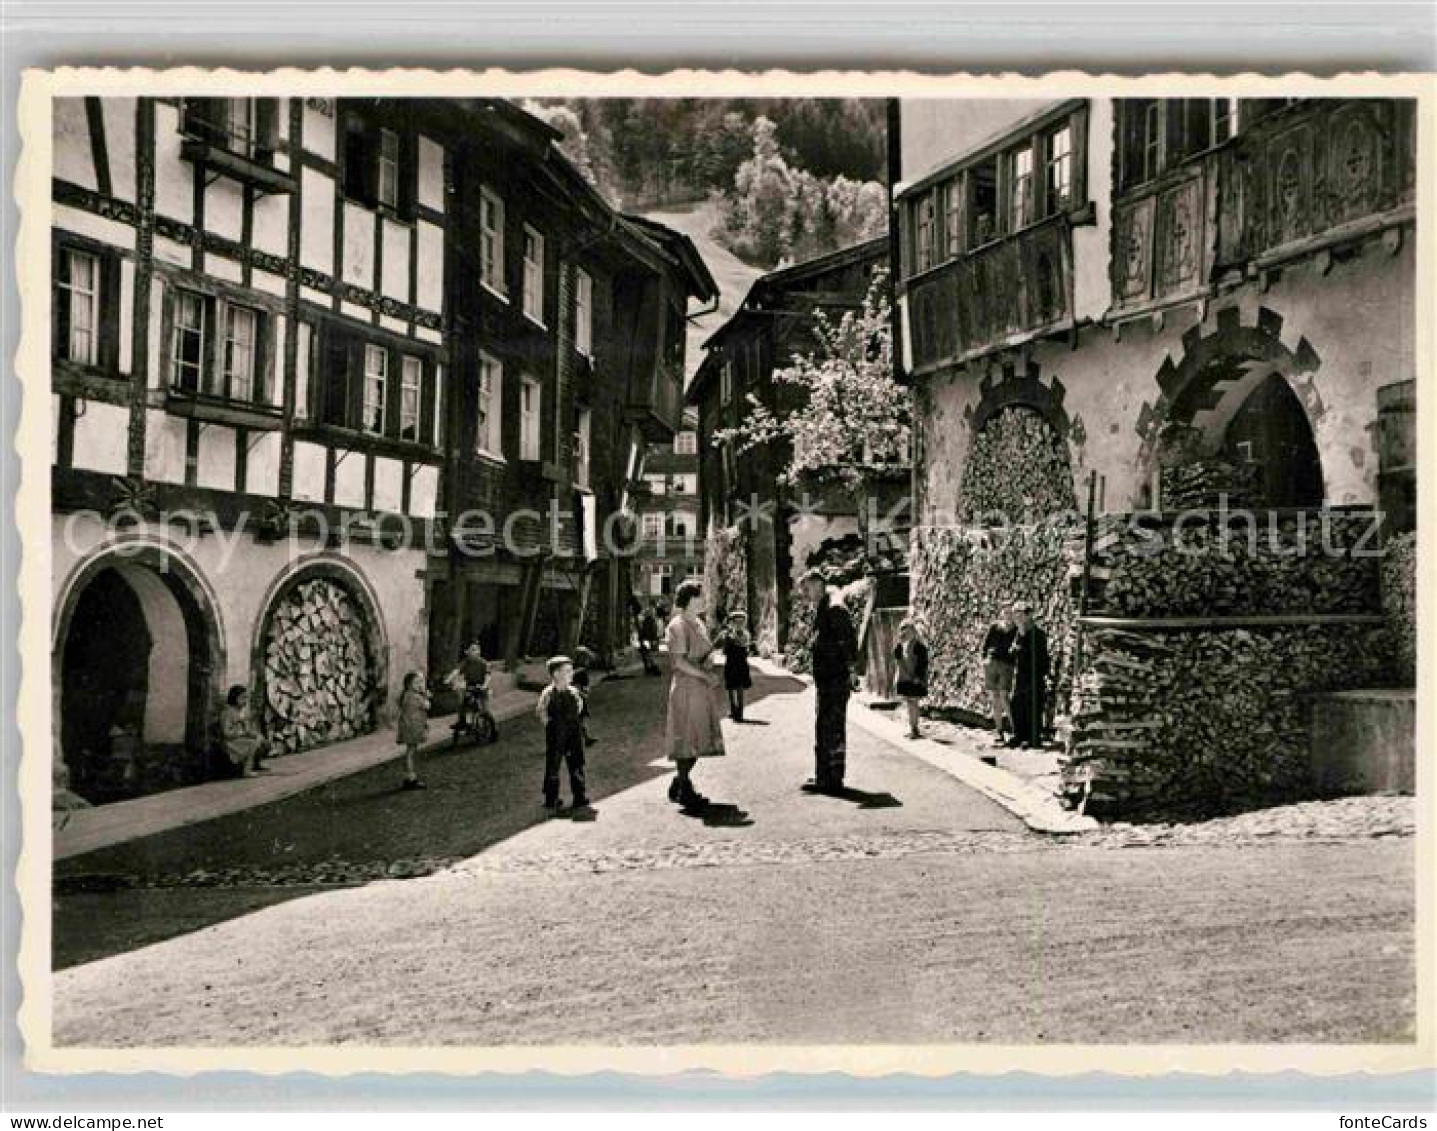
(274, 387)
(271, 223)
(101, 438)
(172, 252)
(319, 133)
(262, 465)
(1092, 290)
(165, 446)
(167, 696)
(308, 471)
(174, 178)
(84, 223)
(396, 325)
(119, 116)
(222, 268)
(397, 254)
(430, 290)
(215, 467)
(349, 482)
(224, 208)
(269, 283)
(358, 245)
(423, 491)
(388, 484)
(316, 232)
(70, 136)
(431, 174)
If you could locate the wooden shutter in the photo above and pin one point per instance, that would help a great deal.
(361, 164)
(266, 129)
(107, 313)
(1078, 124)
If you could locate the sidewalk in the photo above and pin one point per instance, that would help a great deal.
(77, 831)
(962, 757)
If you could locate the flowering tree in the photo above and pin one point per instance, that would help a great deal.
(851, 423)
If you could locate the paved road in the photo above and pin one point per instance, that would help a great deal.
(911, 911)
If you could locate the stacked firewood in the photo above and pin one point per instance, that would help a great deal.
(1206, 483)
(1399, 602)
(1144, 567)
(1200, 721)
(959, 581)
(1018, 467)
(317, 675)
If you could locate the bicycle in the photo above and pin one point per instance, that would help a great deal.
(475, 719)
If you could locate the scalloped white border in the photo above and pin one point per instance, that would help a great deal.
(33, 194)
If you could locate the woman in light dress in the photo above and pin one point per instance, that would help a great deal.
(692, 729)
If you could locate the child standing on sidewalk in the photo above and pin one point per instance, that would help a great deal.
(734, 640)
(561, 710)
(413, 725)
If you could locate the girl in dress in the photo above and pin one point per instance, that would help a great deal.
(912, 658)
(413, 725)
(736, 676)
(691, 729)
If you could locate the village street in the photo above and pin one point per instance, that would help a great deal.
(911, 911)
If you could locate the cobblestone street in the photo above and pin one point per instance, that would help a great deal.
(910, 910)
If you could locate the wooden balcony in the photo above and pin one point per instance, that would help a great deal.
(1298, 182)
(1001, 294)
(656, 402)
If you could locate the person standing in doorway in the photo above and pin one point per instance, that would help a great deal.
(691, 730)
(998, 671)
(834, 650)
(1030, 660)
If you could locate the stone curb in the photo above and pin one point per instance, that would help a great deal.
(1035, 807)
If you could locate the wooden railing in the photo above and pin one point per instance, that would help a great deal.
(999, 294)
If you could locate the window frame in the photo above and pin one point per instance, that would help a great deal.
(68, 253)
(491, 244)
(531, 430)
(583, 441)
(204, 304)
(411, 363)
(1057, 198)
(489, 420)
(686, 442)
(584, 312)
(225, 328)
(367, 378)
(533, 271)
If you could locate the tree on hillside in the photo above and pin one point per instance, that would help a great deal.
(850, 423)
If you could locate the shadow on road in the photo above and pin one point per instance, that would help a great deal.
(344, 833)
(719, 815)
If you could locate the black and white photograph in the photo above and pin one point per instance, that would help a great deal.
(662, 571)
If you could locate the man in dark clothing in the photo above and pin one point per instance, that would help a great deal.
(649, 641)
(1030, 657)
(834, 649)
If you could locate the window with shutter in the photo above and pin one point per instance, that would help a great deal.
(411, 389)
(77, 334)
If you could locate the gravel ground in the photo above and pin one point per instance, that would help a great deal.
(910, 911)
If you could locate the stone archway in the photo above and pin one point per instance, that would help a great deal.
(1224, 365)
(319, 656)
(1018, 463)
(137, 658)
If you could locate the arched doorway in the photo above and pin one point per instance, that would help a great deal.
(320, 658)
(137, 647)
(1269, 433)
